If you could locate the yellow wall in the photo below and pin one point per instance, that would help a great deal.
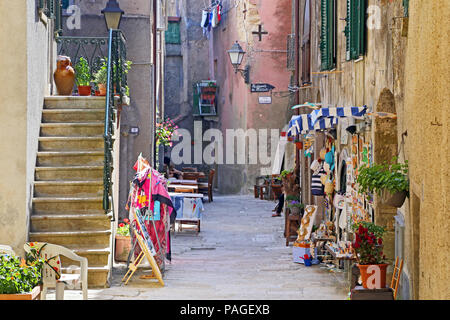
(13, 119)
(427, 121)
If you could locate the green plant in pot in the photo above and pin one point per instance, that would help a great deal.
(123, 241)
(17, 277)
(83, 77)
(390, 181)
(295, 206)
(101, 78)
(368, 246)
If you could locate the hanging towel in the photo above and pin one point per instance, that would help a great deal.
(317, 188)
(219, 13)
(205, 19)
(214, 15)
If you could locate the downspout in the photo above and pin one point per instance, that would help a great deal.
(155, 15)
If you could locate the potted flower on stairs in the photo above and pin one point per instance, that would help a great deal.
(83, 77)
(390, 181)
(368, 246)
(123, 241)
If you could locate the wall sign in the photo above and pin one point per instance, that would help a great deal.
(261, 87)
(265, 100)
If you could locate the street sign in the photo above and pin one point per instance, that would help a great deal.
(265, 100)
(261, 87)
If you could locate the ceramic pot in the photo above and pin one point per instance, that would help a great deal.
(123, 247)
(395, 200)
(84, 90)
(102, 89)
(363, 269)
(64, 76)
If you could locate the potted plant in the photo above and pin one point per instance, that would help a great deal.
(295, 206)
(123, 241)
(18, 280)
(390, 181)
(83, 77)
(368, 246)
(101, 78)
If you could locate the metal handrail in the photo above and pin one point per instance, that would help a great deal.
(116, 83)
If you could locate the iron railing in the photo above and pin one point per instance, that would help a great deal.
(96, 50)
(115, 87)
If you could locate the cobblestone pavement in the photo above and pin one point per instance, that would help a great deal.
(240, 253)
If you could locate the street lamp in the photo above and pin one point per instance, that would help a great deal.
(113, 14)
(236, 56)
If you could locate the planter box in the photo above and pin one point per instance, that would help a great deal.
(33, 295)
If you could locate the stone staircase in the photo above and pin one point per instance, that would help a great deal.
(68, 187)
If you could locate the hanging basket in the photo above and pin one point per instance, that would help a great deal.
(395, 200)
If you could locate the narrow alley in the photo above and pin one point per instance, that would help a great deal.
(240, 253)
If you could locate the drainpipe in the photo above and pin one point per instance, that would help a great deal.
(155, 15)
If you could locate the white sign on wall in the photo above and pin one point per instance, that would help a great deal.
(265, 100)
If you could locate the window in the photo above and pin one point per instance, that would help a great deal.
(328, 37)
(65, 4)
(53, 10)
(406, 8)
(306, 45)
(355, 30)
(172, 34)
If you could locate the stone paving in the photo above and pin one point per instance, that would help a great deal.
(240, 253)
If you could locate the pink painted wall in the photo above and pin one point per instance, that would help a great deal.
(238, 107)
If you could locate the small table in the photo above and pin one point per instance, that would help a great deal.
(182, 187)
(184, 182)
(187, 217)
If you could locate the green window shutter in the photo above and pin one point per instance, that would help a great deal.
(58, 17)
(327, 35)
(355, 30)
(406, 8)
(173, 33)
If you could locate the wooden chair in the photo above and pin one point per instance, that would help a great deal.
(4, 249)
(208, 187)
(396, 277)
(184, 190)
(52, 251)
(190, 176)
(189, 169)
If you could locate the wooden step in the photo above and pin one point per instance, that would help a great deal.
(72, 115)
(68, 238)
(69, 222)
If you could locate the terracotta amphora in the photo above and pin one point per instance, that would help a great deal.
(64, 76)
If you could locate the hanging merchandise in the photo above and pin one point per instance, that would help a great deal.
(148, 193)
(317, 188)
(219, 12)
(205, 19)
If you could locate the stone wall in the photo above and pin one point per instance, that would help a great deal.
(427, 147)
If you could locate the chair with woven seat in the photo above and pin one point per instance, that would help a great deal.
(208, 186)
(51, 270)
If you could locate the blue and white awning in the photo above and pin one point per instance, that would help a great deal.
(340, 112)
(302, 124)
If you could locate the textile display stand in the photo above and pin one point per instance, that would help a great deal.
(147, 250)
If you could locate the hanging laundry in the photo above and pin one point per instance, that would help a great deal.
(215, 19)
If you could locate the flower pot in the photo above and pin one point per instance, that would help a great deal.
(33, 295)
(102, 89)
(295, 210)
(367, 275)
(123, 247)
(395, 200)
(64, 76)
(84, 90)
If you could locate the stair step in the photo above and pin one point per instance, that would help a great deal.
(96, 257)
(72, 129)
(72, 115)
(78, 173)
(71, 143)
(69, 158)
(69, 222)
(66, 238)
(74, 188)
(70, 102)
(78, 205)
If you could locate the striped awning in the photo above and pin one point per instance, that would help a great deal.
(302, 124)
(339, 112)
